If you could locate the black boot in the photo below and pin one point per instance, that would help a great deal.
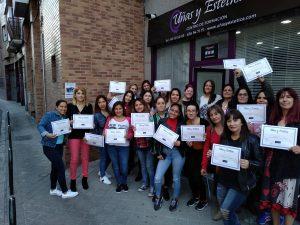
(73, 185)
(85, 184)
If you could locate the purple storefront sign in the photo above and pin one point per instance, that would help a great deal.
(200, 16)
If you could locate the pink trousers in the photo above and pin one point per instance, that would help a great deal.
(78, 147)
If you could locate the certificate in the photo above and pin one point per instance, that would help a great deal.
(60, 127)
(233, 64)
(139, 118)
(192, 132)
(257, 69)
(83, 121)
(162, 85)
(112, 102)
(278, 137)
(117, 87)
(165, 136)
(115, 136)
(254, 113)
(144, 129)
(226, 156)
(94, 139)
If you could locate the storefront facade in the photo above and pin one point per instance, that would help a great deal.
(188, 43)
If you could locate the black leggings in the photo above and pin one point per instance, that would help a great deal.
(57, 166)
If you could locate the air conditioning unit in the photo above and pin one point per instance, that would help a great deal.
(20, 7)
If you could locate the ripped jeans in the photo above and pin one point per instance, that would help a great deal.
(230, 200)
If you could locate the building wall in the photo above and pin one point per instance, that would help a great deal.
(102, 41)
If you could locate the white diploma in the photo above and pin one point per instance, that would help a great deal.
(139, 118)
(115, 136)
(192, 132)
(278, 137)
(83, 121)
(226, 156)
(94, 139)
(60, 127)
(233, 64)
(165, 136)
(257, 69)
(117, 87)
(144, 129)
(112, 102)
(253, 113)
(162, 85)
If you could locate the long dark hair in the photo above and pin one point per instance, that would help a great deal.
(112, 113)
(235, 97)
(180, 116)
(293, 115)
(145, 82)
(212, 96)
(235, 114)
(97, 108)
(179, 93)
(132, 97)
(152, 99)
(219, 110)
(141, 101)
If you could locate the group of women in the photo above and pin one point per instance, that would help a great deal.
(271, 176)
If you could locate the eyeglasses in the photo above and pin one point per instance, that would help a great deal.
(243, 94)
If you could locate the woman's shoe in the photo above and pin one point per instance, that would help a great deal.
(73, 185)
(85, 184)
(158, 203)
(173, 205)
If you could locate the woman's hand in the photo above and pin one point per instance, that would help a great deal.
(295, 149)
(177, 143)
(160, 157)
(244, 164)
(153, 89)
(189, 143)
(203, 172)
(84, 139)
(133, 128)
(261, 79)
(50, 135)
(237, 73)
(208, 154)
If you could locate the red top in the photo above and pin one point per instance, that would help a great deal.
(172, 123)
(128, 110)
(211, 138)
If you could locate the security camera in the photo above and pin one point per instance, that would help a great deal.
(150, 16)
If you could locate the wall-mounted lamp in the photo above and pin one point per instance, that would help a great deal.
(150, 16)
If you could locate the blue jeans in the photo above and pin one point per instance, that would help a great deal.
(230, 200)
(119, 157)
(104, 160)
(147, 167)
(173, 157)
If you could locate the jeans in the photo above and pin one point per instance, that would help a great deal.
(57, 166)
(173, 157)
(104, 160)
(76, 147)
(230, 200)
(119, 156)
(147, 167)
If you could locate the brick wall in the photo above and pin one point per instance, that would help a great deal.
(102, 41)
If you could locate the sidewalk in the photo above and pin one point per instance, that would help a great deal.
(99, 205)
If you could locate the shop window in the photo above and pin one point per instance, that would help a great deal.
(173, 63)
(53, 68)
(279, 43)
(220, 39)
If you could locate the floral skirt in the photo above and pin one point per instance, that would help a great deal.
(281, 196)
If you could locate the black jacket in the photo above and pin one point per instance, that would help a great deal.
(182, 146)
(252, 152)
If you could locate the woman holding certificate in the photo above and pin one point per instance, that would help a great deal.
(53, 149)
(170, 156)
(101, 113)
(193, 160)
(143, 149)
(238, 158)
(127, 101)
(81, 110)
(284, 168)
(118, 133)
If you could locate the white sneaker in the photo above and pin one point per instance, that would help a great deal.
(55, 192)
(69, 194)
(105, 180)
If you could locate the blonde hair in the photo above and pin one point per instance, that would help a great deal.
(74, 101)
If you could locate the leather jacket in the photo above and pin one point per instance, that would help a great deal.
(251, 151)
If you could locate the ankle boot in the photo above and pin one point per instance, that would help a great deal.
(73, 185)
(85, 184)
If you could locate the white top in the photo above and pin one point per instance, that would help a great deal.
(114, 124)
(204, 100)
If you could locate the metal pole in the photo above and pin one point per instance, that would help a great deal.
(12, 211)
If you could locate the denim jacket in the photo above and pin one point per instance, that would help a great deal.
(44, 127)
(99, 121)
